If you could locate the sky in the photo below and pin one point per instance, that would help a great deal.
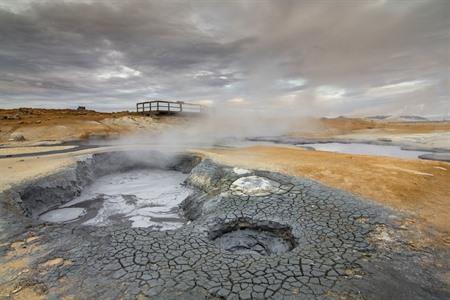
(348, 57)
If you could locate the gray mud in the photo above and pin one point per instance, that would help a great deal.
(292, 238)
(144, 197)
(247, 237)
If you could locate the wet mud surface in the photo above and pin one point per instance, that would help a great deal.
(250, 235)
(143, 198)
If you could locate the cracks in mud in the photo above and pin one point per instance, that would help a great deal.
(295, 239)
(247, 236)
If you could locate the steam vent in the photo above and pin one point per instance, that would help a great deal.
(184, 227)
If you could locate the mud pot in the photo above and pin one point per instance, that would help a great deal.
(179, 227)
(143, 198)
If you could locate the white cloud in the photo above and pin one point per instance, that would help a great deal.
(121, 71)
(329, 92)
(292, 83)
(398, 88)
(202, 73)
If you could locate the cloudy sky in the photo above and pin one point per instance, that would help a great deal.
(322, 57)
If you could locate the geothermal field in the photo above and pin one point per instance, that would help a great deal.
(120, 206)
(245, 149)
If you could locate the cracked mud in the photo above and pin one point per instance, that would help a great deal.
(253, 238)
(251, 235)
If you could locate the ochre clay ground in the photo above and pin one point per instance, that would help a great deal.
(67, 124)
(329, 127)
(416, 186)
(412, 134)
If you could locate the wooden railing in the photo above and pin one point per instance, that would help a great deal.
(168, 107)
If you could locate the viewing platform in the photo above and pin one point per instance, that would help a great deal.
(169, 107)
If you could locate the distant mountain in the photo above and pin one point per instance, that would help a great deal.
(403, 118)
(413, 118)
(380, 117)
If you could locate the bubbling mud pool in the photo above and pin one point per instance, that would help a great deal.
(138, 197)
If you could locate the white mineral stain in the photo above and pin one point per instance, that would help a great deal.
(240, 171)
(254, 186)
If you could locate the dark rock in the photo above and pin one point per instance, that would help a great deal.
(436, 156)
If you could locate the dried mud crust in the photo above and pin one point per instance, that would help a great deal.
(342, 247)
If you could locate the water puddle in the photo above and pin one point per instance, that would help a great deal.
(367, 149)
(144, 198)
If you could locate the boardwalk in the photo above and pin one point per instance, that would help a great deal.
(159, 106)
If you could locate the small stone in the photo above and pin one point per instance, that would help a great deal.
(17, 137)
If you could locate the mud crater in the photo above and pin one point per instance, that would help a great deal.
(253, 237)
(140, 189)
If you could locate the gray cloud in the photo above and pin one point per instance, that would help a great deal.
(324, 57)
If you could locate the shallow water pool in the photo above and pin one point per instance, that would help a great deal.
(366, 149)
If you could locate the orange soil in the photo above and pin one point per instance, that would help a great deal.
(352, 124)
(417, 186)
(42, 120)
(29, 116)
(327, 127)
(67, 124)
